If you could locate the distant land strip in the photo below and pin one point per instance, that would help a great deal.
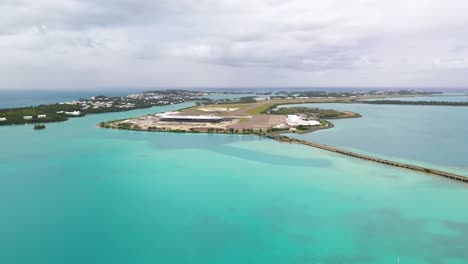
(400, 102)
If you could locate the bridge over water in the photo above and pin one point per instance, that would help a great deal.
(374, 159)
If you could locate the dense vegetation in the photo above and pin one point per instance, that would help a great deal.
(15, 115)
(399, 102)
(242, 100)
(96, 104)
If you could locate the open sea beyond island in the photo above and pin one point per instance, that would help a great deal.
(76, 193)
(13, 98)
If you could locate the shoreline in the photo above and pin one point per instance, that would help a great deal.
(49, 110)
(279, 137)
(263, 109)
(417, 168)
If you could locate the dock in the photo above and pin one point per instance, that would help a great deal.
(374, 159)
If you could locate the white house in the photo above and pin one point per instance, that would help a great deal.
(27, 117)
(2, 119)
(41, 116)
(74, 113)
(281, 126)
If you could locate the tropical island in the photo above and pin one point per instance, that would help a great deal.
(39, 127)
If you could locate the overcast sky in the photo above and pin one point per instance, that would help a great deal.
(87, 44)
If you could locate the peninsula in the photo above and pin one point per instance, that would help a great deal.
(243, 116)
(251, 114)
(263, 117)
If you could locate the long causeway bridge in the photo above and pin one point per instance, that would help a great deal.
(374, 159)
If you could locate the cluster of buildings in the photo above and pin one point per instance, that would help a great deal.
(95, 104)
(134, 100)
(73, 113)
(293, 121)
(166, 97)
(298, 120)
(145, 96)
(31, 117)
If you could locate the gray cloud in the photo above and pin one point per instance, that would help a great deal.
(104, 43)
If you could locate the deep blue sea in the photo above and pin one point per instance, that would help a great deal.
(76, 193)
(35, 97)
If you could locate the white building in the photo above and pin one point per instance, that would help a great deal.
(281, 126)
(41, 116)
(27, 117)
(74, 113)
(295, 120)
(2, 119)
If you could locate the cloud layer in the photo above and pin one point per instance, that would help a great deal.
(66, 44)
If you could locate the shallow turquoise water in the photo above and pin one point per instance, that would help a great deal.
(434, 136)
(75, 193)
(446, 98)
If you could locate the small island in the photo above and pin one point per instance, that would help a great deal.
(39, 127)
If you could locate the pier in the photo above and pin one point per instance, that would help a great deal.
(374, 159)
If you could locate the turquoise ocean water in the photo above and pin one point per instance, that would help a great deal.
(446, 98)
(433, 136)
(75, 193)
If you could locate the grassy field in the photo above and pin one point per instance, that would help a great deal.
(240, 109)
(261, 107)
